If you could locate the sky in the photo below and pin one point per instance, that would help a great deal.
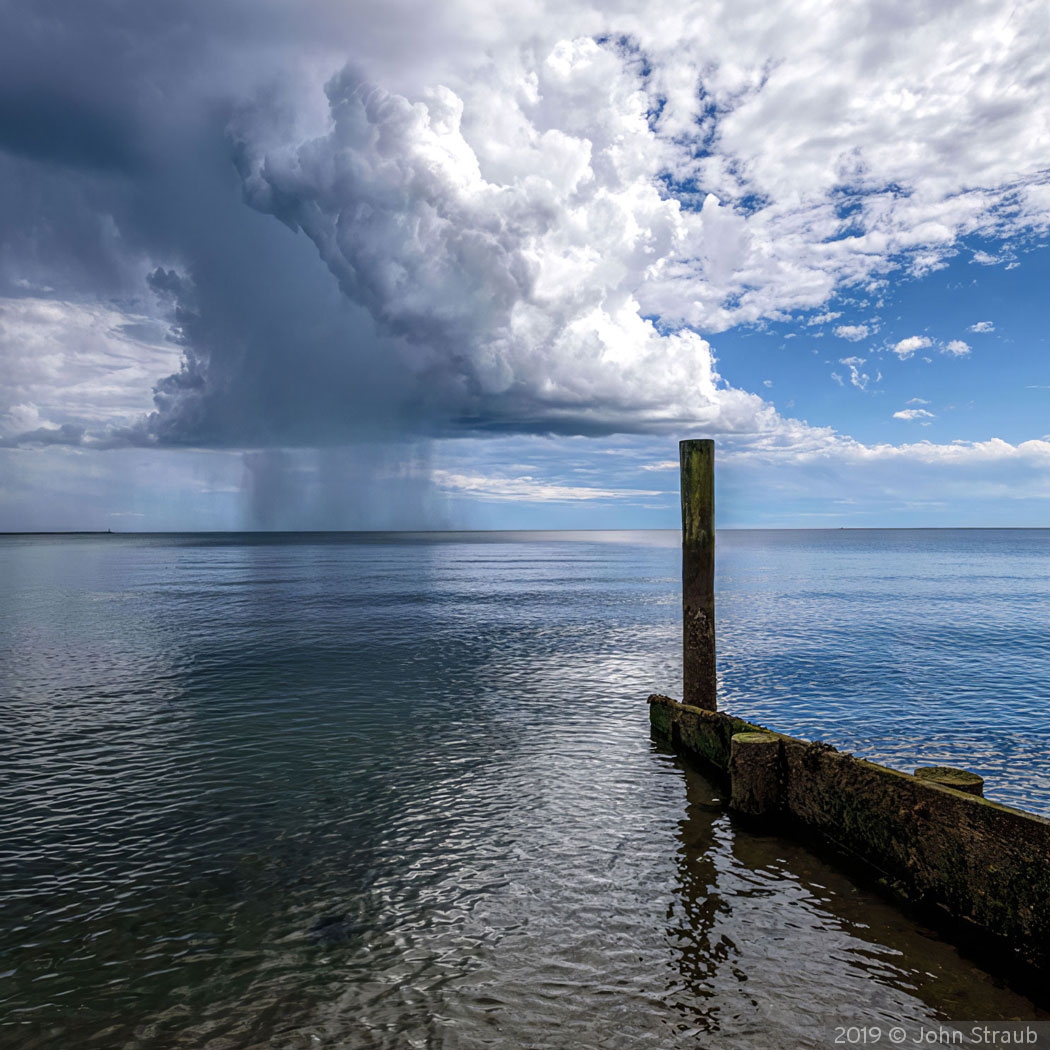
(329, 265)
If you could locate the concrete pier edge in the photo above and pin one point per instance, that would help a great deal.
(974, 869)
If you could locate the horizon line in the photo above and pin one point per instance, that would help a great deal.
(430, 532)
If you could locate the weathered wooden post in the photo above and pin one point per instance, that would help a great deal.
(697, 460)
(754, 772)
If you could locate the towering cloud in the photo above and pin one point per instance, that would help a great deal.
(512, 271)
(515, 219)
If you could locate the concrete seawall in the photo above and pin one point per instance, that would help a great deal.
(967, 863)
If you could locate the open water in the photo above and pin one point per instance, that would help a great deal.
(398, 791)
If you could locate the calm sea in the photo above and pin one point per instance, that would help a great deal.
(398, 791)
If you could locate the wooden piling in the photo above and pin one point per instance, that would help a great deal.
(697, 460)
(959, 779)
(755, 775)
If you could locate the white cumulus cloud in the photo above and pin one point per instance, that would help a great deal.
(853, 332)
(511, 269)
(547, 209)
(858, 378)
(521, 221)
(823, 318)
(75, 366)
(906, 347)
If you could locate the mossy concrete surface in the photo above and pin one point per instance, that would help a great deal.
(984, 865)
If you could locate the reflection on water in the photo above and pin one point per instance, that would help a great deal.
(397, 792)
(773, 944)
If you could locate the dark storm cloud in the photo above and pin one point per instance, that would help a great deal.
(117, 182)
(42, 125)
(141, 155)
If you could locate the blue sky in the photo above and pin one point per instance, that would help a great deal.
(483, 265)
(995, 385)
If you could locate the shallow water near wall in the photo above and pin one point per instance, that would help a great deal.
(399, 791)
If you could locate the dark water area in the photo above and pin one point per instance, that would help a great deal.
(399, 791)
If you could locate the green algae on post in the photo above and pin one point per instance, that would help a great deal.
(697, 459)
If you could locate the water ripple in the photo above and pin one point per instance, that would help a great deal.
(395, 792)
